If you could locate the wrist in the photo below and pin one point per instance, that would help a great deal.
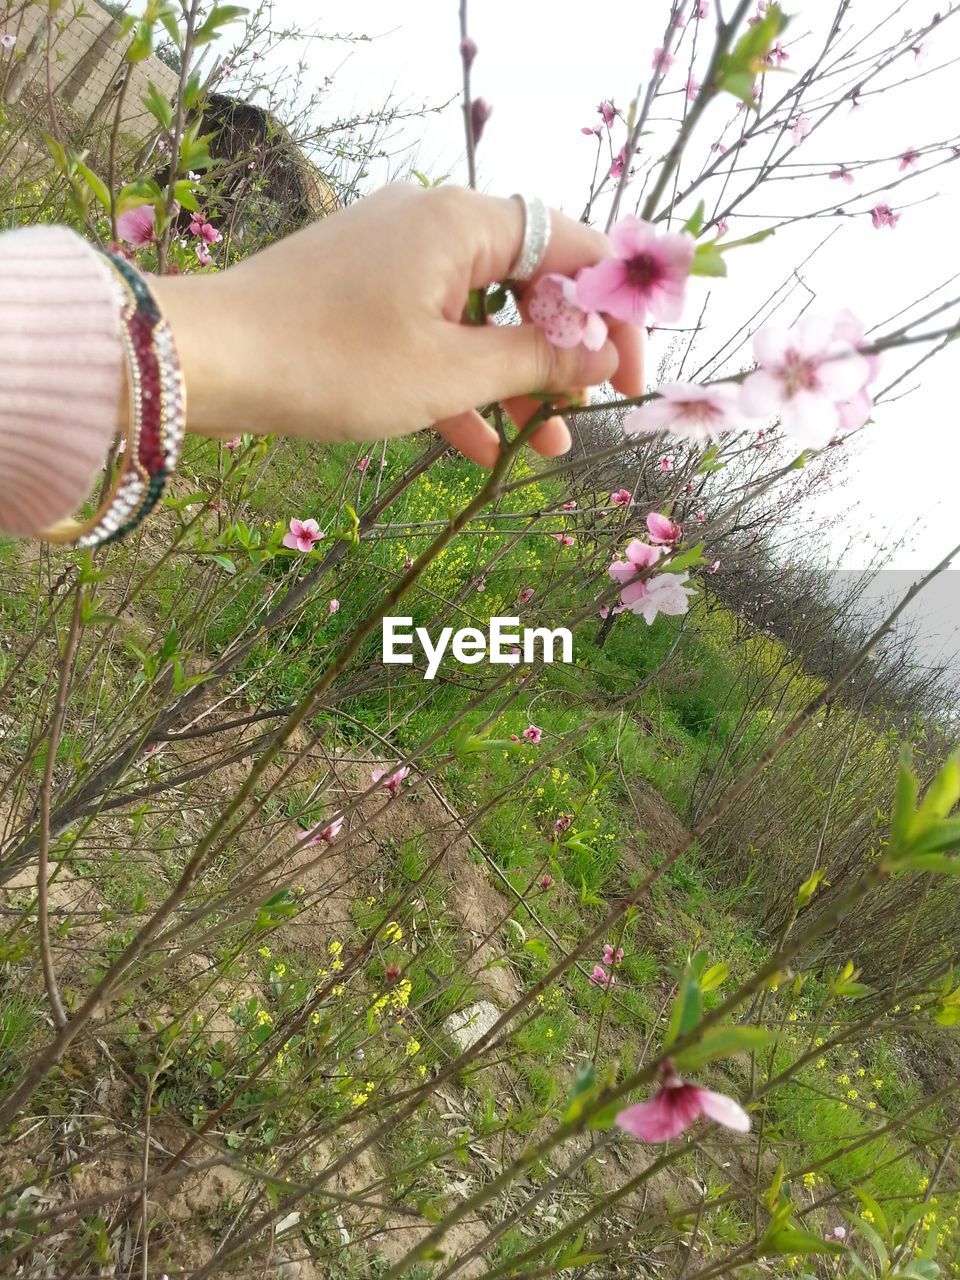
(191, 306)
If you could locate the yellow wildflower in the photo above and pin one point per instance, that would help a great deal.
(412, 1047)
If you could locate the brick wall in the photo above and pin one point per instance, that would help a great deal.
(86, 59)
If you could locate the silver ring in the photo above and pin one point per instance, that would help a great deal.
(536, 237)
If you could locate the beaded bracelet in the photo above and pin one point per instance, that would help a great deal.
(156, 418)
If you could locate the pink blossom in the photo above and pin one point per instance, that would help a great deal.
(686, 410)
(606, 611)
(619, 163)
(601, 977)
(703, 9)
(408, 563)
(665, 464)
(137, 226)
(612, 956)
(700, 517)
(545, 882)
(302, 535)
(800, 129)
(526, 594)
(480, 585)
(390, 781)
(570, 506)
(640, 556)
(806, 375)
(563, 823)
(363, 464)
(533, 734)
(608, 111)
(334, 606)
(200, 227)
(837, 1234)
(920, 53)
(882, 215)
(564, 539)
(693, 88)
(722, 227)
(662, 61)
(843, 175)
(591, 130)
(662, 530)
(778, 55)
(203, 256)
(553, 308)
(714, 568)
(622, 498)
(647, 274)
(667, 593)
(676, 1106)
(235, 443)
(7, 41)
(321, 834)
(909, 158)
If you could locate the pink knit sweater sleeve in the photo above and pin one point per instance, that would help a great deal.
(61, 374)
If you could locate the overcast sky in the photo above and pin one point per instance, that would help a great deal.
(545, 66)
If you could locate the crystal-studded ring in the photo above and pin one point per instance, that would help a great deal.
(536, 238)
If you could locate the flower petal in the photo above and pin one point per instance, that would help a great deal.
(724, 1110)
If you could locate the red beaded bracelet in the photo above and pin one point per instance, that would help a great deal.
(156, 418)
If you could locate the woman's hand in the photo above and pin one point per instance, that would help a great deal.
(352, 329)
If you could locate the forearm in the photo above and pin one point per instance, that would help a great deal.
(61, 375)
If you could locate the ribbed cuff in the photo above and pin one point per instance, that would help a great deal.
(61, 374)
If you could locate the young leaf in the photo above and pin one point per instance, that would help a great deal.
(141, 46)
(158, 106)
(724, 1042)
(708, 261)
(99, 188)
(694, 224)
(687, 1008)
(789, 1239)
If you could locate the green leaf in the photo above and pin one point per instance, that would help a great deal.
(99, 188)
(192, 91)
(141, 46)
(708, 261)
(739, 68)
(724, 1042)
(879, 1217)
(940, 863)
(168, 17)
(942, 795)
(421, 178)
(789, 1239)
(183, 193)
(809, 888)
(158, 106)
(694, 224)
(224, 562)
(942, 837)
(754, 239)
(677, 564)
(711, 978)
(220, 16)
(687, 1009)
(872, 1237)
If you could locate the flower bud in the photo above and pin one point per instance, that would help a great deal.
(468, 51)
(480, 111)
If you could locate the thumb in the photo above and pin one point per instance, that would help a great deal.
(501, 361)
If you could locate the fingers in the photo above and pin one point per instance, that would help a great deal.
(474, 437)
(478, 441)
(498, 362)
(629, 341)
(497, 227)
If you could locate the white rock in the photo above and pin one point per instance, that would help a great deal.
(468, 1025)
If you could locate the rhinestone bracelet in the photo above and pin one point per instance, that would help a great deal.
(157, 413)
